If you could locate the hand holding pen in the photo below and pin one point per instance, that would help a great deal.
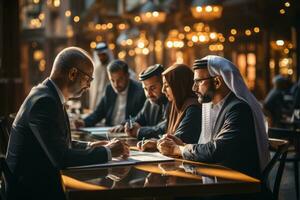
(132, 127)
(130, 123)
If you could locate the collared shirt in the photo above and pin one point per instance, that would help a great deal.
(215, 111)
(119, 112)
(59, 92)
(63, 100)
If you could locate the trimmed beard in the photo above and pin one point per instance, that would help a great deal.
(208, 96)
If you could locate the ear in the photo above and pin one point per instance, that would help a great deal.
(217, 82)
(72, 74)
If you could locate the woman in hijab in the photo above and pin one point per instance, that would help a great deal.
(184, 112)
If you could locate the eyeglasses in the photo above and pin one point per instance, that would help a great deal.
(202, 80)
(90, 77)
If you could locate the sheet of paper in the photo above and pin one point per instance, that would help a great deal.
(95, 129)
(135, 158)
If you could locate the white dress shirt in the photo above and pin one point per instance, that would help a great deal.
(119, 112)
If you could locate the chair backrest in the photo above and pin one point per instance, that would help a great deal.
(4, 135)
(8, 182)
(281, 133)
(281, 148)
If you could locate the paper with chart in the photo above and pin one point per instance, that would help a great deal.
(134, 158)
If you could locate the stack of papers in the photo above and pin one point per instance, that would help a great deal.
(135, 158)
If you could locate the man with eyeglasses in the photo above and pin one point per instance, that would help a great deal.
(40, 139)
(233, 130)
(150, 122)
(123, 97)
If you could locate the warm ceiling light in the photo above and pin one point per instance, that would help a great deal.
(93, 44)
(287, 4)
(256, 29)
(76, 19)
(280, 42)
(152, 13)
(187, 29)
(233, 31)
(137, 18)
(248, 32)
(110, 25)
(68, 13)
(206, 10)
(231, 39)
(282, 11)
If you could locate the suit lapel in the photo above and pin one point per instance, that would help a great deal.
(69, 139)
(129, 103)
(221, 117)
(67, 130)
(112, 96)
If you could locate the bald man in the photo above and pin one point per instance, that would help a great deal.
(40, 136)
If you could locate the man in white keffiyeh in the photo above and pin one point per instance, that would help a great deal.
(102, 55)
(233, 131)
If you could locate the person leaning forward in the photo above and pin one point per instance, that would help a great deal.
(41, 130)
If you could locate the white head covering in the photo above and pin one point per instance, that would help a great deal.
(219, 66)
(97, 88)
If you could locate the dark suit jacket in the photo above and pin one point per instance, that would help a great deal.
(104, 110)
(41, 133)
(153, 119)
(234, 140)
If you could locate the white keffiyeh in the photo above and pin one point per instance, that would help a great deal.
(219, 66)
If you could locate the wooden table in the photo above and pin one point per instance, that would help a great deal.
(179, 178)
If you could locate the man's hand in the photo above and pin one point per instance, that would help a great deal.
(117, 129)
(118, 148)
(177, 140)
(168, 147)
(79, 123)
(132, 132)
(98, 143)
(147, 145)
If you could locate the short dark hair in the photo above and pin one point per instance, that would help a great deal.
(117, 65)
(70, 57)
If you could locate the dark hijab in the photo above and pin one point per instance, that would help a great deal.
(180, 79)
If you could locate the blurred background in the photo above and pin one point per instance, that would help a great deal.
(262, 37)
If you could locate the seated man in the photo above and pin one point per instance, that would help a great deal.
(150, 121)
(233, 131)
(123, 97)
(41, 130)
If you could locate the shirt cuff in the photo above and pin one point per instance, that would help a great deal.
(108, 151)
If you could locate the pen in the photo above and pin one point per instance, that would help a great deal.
(130, 122)
(143, 141)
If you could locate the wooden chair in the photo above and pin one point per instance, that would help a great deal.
(280, 147)
(293, 136)
(4, 135)
(8, 182)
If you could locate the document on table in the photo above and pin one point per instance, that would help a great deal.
(102, 132)
(134, 158)
(95, 129)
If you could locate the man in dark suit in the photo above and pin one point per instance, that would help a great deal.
(123, 97)
(233, 132)
(40, 139)
(151, 121)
